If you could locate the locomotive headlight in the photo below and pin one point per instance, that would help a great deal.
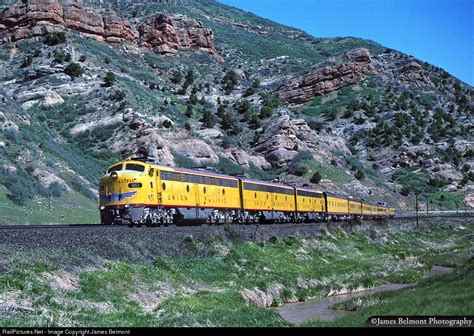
(102, 208)
(114, 175)
(127, 206)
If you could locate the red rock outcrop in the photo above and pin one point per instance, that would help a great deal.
(41, 17)
(170, 34)
(328, 79)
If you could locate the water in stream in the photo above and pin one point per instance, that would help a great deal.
(319, 310)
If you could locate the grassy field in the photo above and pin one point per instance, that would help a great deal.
(237, 284)
(69, 208)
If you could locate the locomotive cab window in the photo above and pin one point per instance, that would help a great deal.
(115, 168)
(135, 167)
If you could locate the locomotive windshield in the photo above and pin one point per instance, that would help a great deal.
(115, 168)
(135, 167)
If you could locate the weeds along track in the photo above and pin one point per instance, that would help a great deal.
(75, 247)
(406, 218)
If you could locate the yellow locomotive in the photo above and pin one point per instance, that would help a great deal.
(139, 191)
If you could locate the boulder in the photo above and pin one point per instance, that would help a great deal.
(46, 178)
(196, 150)
(52, 99)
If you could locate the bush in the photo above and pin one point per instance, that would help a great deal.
(27, 61)
(176, 77)
(360, 175)
(109, 79)
(55, 189)
(405, 191)
(55, 38)
(316, 125)
(266, 112)
(120, 95)
(316, 178)
(82, 58)
(74, 70)
(301, 170)
(297, 160)
(60, 57)
(208, 119)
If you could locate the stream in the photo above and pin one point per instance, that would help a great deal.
(319, 310)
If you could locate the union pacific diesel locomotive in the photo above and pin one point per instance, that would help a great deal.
(139, 191)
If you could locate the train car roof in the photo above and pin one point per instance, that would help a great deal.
(311, 190)
(204, 172)
(266, 183)
(337, 195)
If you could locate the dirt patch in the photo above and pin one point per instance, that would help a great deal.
(61, 280)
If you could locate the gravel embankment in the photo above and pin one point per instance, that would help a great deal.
(81, 247)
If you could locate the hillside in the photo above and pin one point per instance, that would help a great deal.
(198, 83)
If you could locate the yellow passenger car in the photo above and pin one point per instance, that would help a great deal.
(355, 208)
(310, 204)
(267, 201)
(337, 206)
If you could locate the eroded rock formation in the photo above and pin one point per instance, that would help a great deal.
(170, 34)
(328, 79)
(41, 17)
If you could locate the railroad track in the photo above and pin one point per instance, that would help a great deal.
(92, 226)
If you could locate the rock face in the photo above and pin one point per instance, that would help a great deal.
(40, 17)
(412, 72)
(169, 34)
(329, 78)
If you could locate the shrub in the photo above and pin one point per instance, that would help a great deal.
(316, 178)
(82, 58)
(266, 112)
(301, 170)
(59, 57)
(27, 61)
(109, 79)
(74, 70)
(229, 81)
(360, 175)
(55, 189)
(55, 38)
(208, 119)
(316, 125)
(120, 95)
(334, 162)
(405, 191)
(189, 111)
(176, 77)
(297, 160)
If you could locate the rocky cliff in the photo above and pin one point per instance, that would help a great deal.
(41, 17)
(357, 64)
(170, 34)
(162, 32)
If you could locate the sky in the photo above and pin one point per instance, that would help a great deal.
(440, 32)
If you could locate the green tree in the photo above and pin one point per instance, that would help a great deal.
(189, 111)
(208, 119)
(109, 79)
(316, 178)
(74, 70)
(176, 77)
